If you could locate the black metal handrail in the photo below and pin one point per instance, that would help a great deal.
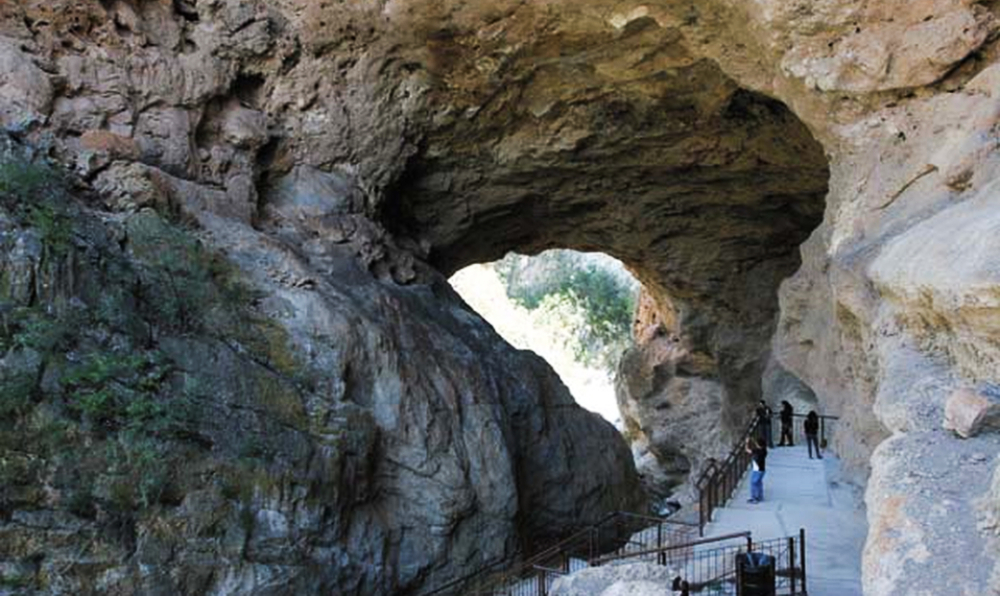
(798, 428)
(702, 564)
(719, 480)
(618, 532)
(605, 559)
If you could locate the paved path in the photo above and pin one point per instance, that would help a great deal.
(804, 493)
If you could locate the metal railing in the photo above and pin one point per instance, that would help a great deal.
(826, 423)
(619, 533)
(719, 480)
(709, 565)
(621, 536)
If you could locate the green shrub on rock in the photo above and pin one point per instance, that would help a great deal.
(36, 193)
(151, 369)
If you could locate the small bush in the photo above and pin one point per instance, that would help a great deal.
(182, 286)
(140, 474)
(24, 180)
(37, 329)
(595, 303)
(16, 394)
(16, 582)
(54, 226)
(35, 192)
(120, 392)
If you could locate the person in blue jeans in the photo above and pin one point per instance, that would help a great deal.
(758, 457)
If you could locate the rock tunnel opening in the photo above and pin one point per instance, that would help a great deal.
(573, 309)
(705, 191)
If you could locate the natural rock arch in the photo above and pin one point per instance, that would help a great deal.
(292, 130)
(704, 190)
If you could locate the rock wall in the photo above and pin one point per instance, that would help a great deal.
(353, 428)
(670, 406)
(183, 421)
(716, 147)
(877, 321)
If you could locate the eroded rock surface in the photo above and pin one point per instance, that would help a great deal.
(344, 151)
(638, 579)
(670, 406)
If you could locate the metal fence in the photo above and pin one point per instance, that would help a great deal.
(619, 534)
(827, 424)
(709, 565)
(626, 536)
(719, 480)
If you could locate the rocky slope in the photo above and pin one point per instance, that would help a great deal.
(226, 410)
(344, 153)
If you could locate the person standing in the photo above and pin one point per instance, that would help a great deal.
(812, 434)
(764, 415)
(758, 458)
(787, 415)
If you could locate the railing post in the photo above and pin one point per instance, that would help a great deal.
(717, 496)
(661, 558)
(701, 512)
(710, 500)
(802, 558)
(542, 589)
(734, 478)
(791, 562)
(822, 430)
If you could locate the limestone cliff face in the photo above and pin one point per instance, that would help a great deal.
(348, 154)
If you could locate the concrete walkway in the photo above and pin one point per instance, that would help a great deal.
(810, 494)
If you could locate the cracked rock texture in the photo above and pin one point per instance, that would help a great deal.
(803, 187)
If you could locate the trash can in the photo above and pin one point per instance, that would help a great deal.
(754, 574)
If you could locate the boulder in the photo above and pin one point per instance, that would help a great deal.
(244, 128)
(969, 412)
(308, 194)
(26, 93)
(629, 579)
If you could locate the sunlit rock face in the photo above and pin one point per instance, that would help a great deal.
(715, 147)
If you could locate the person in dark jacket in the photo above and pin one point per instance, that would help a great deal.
(812, 434)
(758, 458)
(764, 414)
(787, 414)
